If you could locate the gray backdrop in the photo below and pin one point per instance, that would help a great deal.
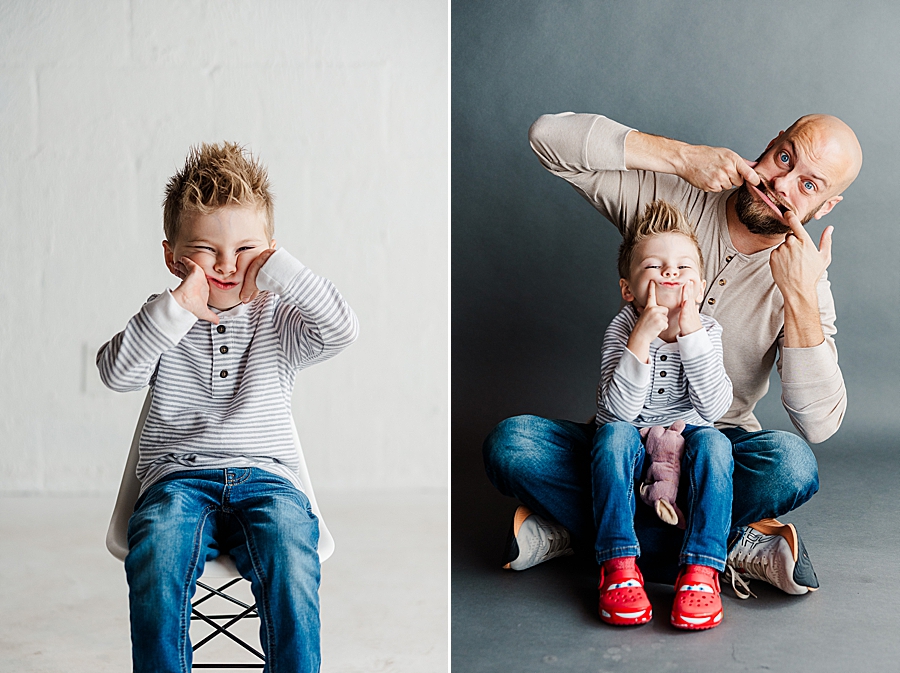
(533, 265)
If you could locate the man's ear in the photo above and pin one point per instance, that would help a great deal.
(827, 206)
(626, 291)
(774, 140)
(170, 257)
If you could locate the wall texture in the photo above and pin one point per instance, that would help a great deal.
(346, 101)
(534, 282)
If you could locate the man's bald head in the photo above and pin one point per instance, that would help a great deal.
(830, 140)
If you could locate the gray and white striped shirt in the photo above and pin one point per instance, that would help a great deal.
(222, 393)
(683, 380)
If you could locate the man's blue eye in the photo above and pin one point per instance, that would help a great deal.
(809, 186)
(784, 157)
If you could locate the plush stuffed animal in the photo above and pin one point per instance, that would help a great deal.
(665, 449)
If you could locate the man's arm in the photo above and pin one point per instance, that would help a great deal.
(619, 170)
(813, 388)
(813, 392)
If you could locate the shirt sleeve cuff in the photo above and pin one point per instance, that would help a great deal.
(805, 365)
(278, 272)
(633, 369)
(169, 316)
(695, 345)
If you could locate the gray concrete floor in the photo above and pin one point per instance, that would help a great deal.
(545, 619)
(384, 592)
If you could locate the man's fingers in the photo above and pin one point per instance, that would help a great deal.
(745, 168)
(790, 217)
(825, 242)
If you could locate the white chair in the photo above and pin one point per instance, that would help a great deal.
(220, 571)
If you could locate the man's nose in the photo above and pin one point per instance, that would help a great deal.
(780, 183)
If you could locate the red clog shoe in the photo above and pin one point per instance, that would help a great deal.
(623, 601)
(697, 602)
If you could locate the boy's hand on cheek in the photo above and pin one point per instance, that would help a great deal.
(653, 320)
(689, 317)
(193, 293)
(249, 289)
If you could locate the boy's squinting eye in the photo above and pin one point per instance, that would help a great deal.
(245, 248)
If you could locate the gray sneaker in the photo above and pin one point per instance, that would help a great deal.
(773, 552)
(533, 540)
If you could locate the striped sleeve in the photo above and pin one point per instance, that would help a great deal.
(128, 360)
(709, 387)
(312, 319)
(624, 380)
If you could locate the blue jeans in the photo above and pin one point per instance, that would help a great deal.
(546, 465)
(267, 527)
(618, 461)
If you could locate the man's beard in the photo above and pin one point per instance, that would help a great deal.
(758, 216)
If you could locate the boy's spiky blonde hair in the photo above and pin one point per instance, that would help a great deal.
(215, 176)
(659, 217)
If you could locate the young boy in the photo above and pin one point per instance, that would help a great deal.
(661, 362)
(218, 465)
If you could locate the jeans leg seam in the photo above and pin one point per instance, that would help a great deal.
(262, 607)
(187, 607)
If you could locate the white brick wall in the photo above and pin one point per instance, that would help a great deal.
(347, 104)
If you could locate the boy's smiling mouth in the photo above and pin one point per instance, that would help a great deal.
(221, 285)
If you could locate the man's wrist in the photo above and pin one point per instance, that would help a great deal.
(802, 324)
(647, 152)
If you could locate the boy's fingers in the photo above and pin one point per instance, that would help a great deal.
(651, 294)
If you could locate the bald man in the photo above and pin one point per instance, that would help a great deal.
(767, 286)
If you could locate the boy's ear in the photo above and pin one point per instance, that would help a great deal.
(626, 291)
(702, 291)
(170, 257)
(273, 244)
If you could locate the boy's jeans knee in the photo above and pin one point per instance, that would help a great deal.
(264, 523)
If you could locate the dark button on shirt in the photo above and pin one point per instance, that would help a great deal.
(223, 373)
(221, 329)
(662, 373)
(661, 391)
(223, 350)
(722, 281)
(663, 357)
(710, 301)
